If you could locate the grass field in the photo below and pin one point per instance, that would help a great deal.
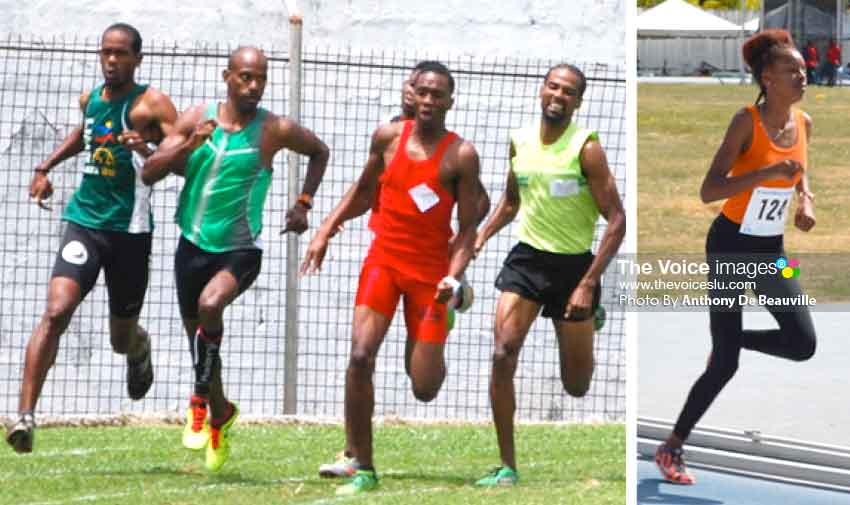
(680, 127)
(429, 464)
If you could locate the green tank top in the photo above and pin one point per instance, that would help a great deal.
(557, 211)
(221, 205)
(111, 195)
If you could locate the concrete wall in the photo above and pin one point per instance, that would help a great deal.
(587, 30)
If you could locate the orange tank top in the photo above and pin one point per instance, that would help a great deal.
(763, 152)
(413, 226)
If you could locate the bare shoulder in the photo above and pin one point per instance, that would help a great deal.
(190, 117)
(155, 97)
(84, 100)
(742, 120)
(464, 153)
(807, 119)
(385, 134)
(194, 112)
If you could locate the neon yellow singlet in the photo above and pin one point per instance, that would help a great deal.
(557, 211)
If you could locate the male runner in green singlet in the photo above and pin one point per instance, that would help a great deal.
(227, 150)
(108, 222)
(559, 182)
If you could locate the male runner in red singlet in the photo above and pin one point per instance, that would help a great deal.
(422, 169)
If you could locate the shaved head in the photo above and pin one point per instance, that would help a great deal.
(246, 55)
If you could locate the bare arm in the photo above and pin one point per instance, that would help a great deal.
(290, 135)
(356, 201)
(171, 155)
(506, 209)
(469, 208)
(40, 187)
(71, 146)
(157, 115)
(594, 165)
(804, 218)
(717, 185)
(298, 139)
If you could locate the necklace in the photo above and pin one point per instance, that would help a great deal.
(779, 131)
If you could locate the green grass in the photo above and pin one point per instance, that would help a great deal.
(679, 129)
(424, 465)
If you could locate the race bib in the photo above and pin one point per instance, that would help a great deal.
(766, 212)
(424, 197)
(560, 188)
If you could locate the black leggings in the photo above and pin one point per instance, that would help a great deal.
(794, 340)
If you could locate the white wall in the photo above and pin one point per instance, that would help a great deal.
(576, 30)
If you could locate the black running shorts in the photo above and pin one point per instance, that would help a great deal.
(545, 278)
(194, 268)
(123, 256)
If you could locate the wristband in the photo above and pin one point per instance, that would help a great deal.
(42, 171)
(454, 283)
(305, 200)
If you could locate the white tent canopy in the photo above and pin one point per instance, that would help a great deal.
(677, 18)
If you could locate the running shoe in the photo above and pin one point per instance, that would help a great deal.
(140, 373)
(501, 476)
(21, 434)
(362, 481)
(672, 466)
(342, 467)
(196, 433)
(218, 450)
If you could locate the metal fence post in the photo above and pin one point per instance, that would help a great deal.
(290, 388)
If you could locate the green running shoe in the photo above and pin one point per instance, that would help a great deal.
(218, 449)
(363, 480)
(502, 476)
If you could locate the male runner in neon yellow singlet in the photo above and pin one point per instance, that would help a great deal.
(108, 222)
(227, 149)
(559, 182)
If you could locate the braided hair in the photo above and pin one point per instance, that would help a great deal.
(761, 50)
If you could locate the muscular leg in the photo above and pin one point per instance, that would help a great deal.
(63, 296)
(427, 369)
(575, 343)
(368, 333)
(126, 336)
(514, 317)
(218, 293)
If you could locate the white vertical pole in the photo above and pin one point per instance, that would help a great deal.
(742, 68)
(290, 387)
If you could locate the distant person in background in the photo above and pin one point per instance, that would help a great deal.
(811, 62)
(833, 61)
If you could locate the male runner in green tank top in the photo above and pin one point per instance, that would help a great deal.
(108, 221)
(559, 182)
(227, 150)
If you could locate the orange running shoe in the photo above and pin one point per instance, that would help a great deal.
(672, 466)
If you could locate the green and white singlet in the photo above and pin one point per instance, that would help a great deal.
(111, 195)
(557, 211)
(221, 205)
